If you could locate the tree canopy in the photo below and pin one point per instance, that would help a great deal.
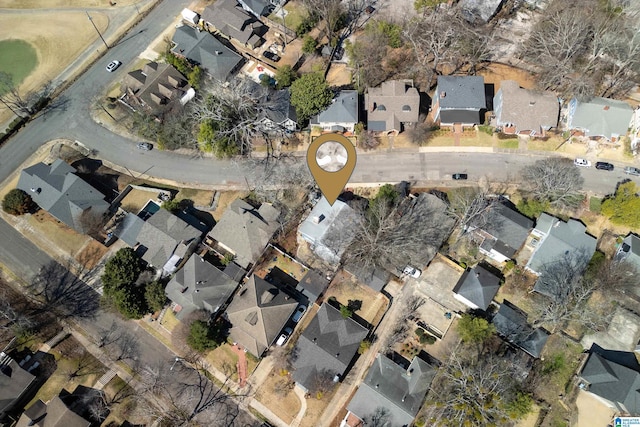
(310, 94)
(203, 337)
(119, 284)
(473, 329)
(17, 202)
(624, 206)
(554, 179)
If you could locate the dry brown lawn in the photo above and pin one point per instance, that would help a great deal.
(496, 72)
(199, 197)
(344, 288)
(56, 4)
(338, 75)
(91, 254)
(226, 198)
(49, 231)
(224, 360)
(285, 406)
(136, 199)
(315, 408)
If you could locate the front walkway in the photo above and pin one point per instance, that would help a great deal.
(241, 366)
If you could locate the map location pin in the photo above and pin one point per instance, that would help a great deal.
(331, 159)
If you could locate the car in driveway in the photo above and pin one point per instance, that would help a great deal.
(284, 336)
(411, 271)
(271, 56)
(298, 313)
(146, 146)
(113, 65)
(604, 166)
(630, 170)
(583, 163)
(459, 176)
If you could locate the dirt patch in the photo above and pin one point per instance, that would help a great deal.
(52, 234)
(495, 73)
(276, 393)
(315, 409)
(344, 288)
(200, 198)
(91, 254)
(592, 412)
(226, 198)
(339, 75)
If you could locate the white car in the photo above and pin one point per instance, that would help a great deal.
(582, 163)
(411, 271)
(630, 170)
(113, 65)
(284, 336)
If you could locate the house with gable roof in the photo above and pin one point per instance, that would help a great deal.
(511, 324)
(341, 115)
(559, 240)
(599, 118)
(260, 8)
(479, 11)
(327, 347)
(503, 233)
(257, 314)
(629, 251)
(205, 50)
(476, 287)
(613, 377)
(392, 106)
(62, 410)
(525, 111)
(199, 285)
(15, 384)
(398, 391)
(156, 85)
(245, 231)
(230, 19)
(459, 100)
(278, 114)
(58, 190)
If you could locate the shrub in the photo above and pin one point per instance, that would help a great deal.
(364, 346)
(201, 337)
(309, 45)
(509, 265)
(307, 24)
(17, 202)
(171, 205)
(427, 339)
(345, 311)
(486, 129)
(532, 208)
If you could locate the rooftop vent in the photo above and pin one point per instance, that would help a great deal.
(443, 95)
(318, 219)
(36, 190)
(532, 103)
(218, 52)
(183, 290)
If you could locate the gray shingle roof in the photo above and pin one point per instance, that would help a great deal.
(478, 285)
(57, 190)
(246, 230)
(55, 413)
(278, 108)
(163, 80)
(257, 7)
(391, 104)
(461, 92)
(629, 251)
(204, 49)
(612, 380)
(257, 313)
(387, 385)
(483, 10)
(232, 20)
(14, 381)
(327, 345)
(199, 285)
(313, 284)
(563, 238)
(510, 228)
(343, 109)
(511, 323)
(528, 110)
(161, 234)
(374, 277)
(600, 117)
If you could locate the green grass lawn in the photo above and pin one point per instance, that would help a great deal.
(507, 143)
(595, 204)
(18, 58)
(295, 14)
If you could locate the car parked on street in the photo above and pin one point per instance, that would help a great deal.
(459, 176)
(284, 336)
(604, 166)
(584, 163)
(113, 65)
(144, 146)
(630, 170)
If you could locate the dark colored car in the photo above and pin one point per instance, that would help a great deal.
(272, 56)
(459, 176)
(604, 166)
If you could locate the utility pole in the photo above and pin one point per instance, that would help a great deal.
(97, 31)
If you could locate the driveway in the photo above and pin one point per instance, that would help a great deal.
(592, 412)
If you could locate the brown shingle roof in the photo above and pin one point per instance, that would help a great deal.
(391, 104)
(528, 110)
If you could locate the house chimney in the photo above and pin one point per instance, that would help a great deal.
(377, 385)
(314, 340)
(318, 219)
(606, 108)
(443, 95)
(218, 52)
(337, 354)
(36, 190)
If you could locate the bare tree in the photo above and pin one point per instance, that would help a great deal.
(322, 381)
(108, 336)
(83, 365)
(91, 223)
(554, 179)
(474, 391)
(126, 347)
(329, 11)
(470, 206)
(12, 318)
(12, 99)
(378, 418)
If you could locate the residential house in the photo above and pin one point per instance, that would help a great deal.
(260, 8)
(459, 100)
(395, 391)
(326, 348)
(205, 50)
(557, 241)
(629, 251)
(479, 11)
(374, 277)
(244, 231)
(599, 118)
(230, 19)
(257, 313)
(164, 240)
(199, 285)
(312, 285)
(58, 412)
(392, 107)
(341, 115)
(15, 384)
(511, 324)
(502, 233)
(613, 377)
(277, 113)
(156, 85)
(67, 197)
(477, 287)
(329, 229)
(524, 111)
